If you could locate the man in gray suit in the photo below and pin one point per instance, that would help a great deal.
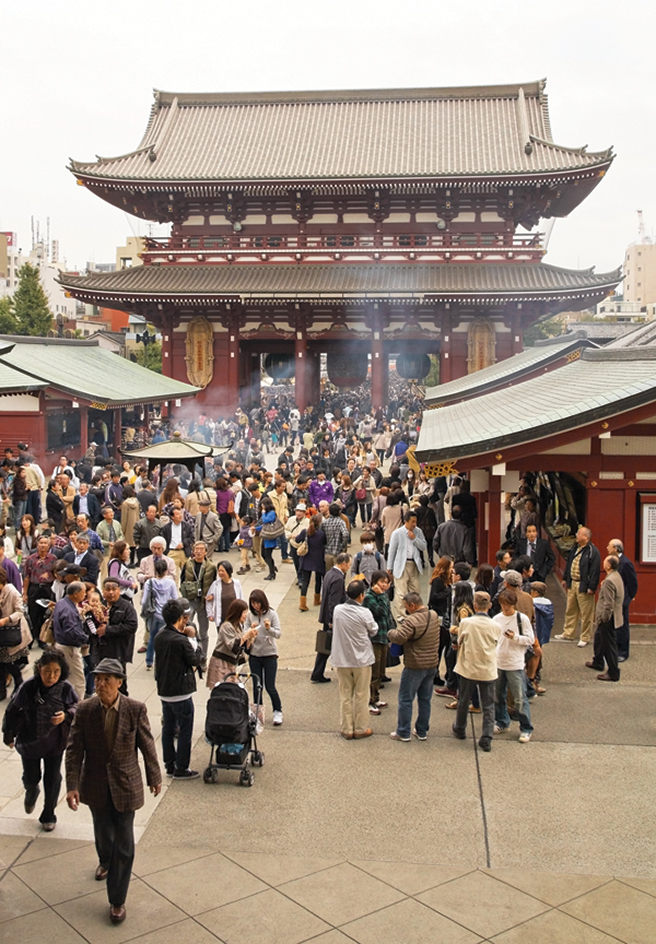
(608, 619)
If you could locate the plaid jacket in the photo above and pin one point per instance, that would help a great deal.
(94, 772)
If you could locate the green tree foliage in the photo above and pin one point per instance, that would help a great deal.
(7, 317)
(432, 378)
(31, 310)
(550, 328)
(150, 357)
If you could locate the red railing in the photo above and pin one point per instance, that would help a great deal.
(460, 242)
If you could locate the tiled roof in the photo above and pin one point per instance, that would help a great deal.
(345, 135)
(13, 381)
(505, 371)
(643, 335)
(602, 331)
(175, 282)
(86, 371)
(600, 384)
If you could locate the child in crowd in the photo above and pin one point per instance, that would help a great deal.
(245, 542)
(368, 560)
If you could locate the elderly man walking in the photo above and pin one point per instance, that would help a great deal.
(405, 560)
(102, 770)
(478, 636)
(69, 634)
(352, 655)
(609, 618)
(420, 637)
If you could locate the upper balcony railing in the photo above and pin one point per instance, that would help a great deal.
(179, 248)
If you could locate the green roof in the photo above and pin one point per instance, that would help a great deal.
(600, 384)
(505, 371)
(13, 381)
(86, 371)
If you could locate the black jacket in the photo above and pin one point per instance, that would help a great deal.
(629, 579)
(92, 504)
(333, 592)
(590, 565)
(90, 563)
(543, 559)
(175, 658)
(187, 537)
(118, 641)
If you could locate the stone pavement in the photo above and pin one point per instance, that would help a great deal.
(373, 841)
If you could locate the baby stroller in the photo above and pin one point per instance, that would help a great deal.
(231, 729)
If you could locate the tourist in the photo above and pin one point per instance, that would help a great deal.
(405, 560)
(476, 668)
(352, 655)
(233, 641)
(81, 556)
(107, 776)
(27, 536)
(207, 524)
(377, 601)
(263, 653)
(515, 637)
(157, 591)
(69, 634)
(420, 637)
(116, 638)
(12, 656)
(337, 535)
(314, 562)
(629, 579)
(365, 492)
(117, 568)
(37, 723)
(179, 537)
(222, 593)
(333, 593)
(145, 530)
(608, 619)
(196, 579)
(177, 654)
(130, 514)
(581, 579)
(37, 582)
(109, 530)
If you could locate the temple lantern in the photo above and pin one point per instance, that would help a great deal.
(279, 366)
(347, 370)
(413, 366)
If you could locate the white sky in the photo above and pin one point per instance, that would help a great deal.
(78, 76)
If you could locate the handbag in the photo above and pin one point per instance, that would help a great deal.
(530, 651)
(323, 642)
(272, 530)
(46, 634)
(361, 494)
(302, 548)
(10, 635)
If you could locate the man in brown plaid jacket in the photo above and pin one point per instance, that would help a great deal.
(102, 770)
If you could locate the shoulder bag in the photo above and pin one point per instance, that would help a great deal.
(272, 530)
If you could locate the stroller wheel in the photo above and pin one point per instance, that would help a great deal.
(207, 775)
(246, 778)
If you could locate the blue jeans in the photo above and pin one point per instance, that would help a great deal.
(284, 547)
(413, 682)
(156, 623)
(515, 681)
(177, 714)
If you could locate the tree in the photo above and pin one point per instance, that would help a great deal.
(150, 356)
(550, 328)
(432, 378)
(7, 317)
(31, 310)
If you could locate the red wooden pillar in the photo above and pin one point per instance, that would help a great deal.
(232, 391)
(301, 368)
(118, 423)
(167, 346)
(494, 516)
(446, 348)
(84, 429)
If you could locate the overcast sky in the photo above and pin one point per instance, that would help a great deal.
(78, 80)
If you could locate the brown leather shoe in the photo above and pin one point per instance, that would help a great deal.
(605, 677)
(347, 737)
(363, 734)
(591, 665)
(101, 874)
(116, 913)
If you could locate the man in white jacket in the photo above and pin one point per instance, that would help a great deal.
(478, 636)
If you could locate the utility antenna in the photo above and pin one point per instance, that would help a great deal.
(32, 219)
(47, 239)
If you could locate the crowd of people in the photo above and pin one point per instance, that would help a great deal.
(113, 541)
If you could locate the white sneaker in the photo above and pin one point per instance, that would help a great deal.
(525, 737)
(277, 717)
(582, 644)
(498, 730)
(397, 737)
(259, 728)
(561, 637)
(373, 710)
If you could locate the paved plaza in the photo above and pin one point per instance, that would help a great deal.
(373, 841)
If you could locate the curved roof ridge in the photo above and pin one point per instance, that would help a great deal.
(533, 89)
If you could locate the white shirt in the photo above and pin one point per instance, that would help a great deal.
(511, 653)
(176, 535)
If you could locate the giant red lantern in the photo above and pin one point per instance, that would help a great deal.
(413, 366)
(347, 370)
(279, 366)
